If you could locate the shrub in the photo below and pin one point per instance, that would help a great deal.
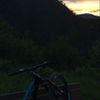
(16, 49)
(5, 65)
(94, 54)
(86, 71)
(64, 54)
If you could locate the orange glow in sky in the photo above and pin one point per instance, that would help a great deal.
(84, 6)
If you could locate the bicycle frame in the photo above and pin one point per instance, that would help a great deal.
(34, 85)
(29, 90)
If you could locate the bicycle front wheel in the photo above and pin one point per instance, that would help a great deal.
(59, 93)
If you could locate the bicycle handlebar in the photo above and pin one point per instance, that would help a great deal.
(32, 68)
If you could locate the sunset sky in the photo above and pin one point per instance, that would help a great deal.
(84, 6)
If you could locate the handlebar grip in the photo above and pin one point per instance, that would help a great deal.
(13, 74)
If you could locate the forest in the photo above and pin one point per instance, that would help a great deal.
(35, 31)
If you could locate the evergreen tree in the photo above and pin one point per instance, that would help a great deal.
(95, 55)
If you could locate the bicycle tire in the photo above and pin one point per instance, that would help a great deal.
(53, 93)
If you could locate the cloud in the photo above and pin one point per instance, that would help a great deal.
(77, 9)
(80, 0)
(93, 11)
(83, 6)
(82, 3)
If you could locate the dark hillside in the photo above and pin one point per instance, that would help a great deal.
(46, 18)
(88, 32)
(41, 17)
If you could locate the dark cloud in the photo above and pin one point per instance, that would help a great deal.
(72, 0)
(77, 9)
(78, 0)
(95, 10)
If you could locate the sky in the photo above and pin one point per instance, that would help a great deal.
(83, 6)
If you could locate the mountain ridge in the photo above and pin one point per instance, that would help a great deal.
(88, 16)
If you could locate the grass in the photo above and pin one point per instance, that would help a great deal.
(89, 80)
(88, 77)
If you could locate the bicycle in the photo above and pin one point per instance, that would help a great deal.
(55, 93)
